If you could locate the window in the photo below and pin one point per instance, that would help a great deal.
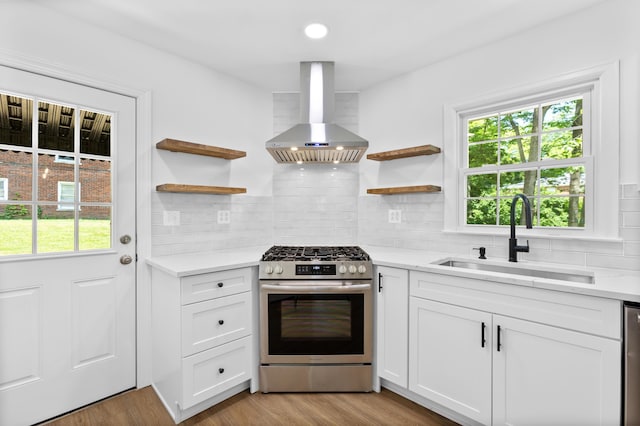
(66, 195)
(4, 188)
(555, 141)
(535, 149)
(68, 159)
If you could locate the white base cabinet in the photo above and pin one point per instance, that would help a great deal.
(392, 328)
(559, 364)
(571, 377)
(203, 347)
(450, 361)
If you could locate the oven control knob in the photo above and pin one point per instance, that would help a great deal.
(278, 269)
(362, 269)
(268, 269)
(342, 269)
(353, 269)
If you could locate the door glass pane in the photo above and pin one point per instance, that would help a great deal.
(15, 229)
(53, 169)
(316, 319)
(55, 126)
(16, 167)
(55, 232)
(94, 228)
(15, 120)
(95, 133)
(95, 180)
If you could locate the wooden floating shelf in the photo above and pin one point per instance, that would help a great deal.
(404, 153)
(404, 189)
(200, 189)
(199, 149)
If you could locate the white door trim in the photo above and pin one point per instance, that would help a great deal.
(144, 145)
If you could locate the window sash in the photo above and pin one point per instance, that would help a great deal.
(4, 189)
(512, 105)
(66, 195)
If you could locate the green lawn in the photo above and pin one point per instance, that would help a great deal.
(54, 235)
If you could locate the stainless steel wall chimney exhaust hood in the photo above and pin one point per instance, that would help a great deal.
(317, 139)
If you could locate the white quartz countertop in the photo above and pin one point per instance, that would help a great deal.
(182, 265)
(609, 283)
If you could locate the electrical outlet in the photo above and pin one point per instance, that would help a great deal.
(395, 216)
(171, 218)
(224, 216)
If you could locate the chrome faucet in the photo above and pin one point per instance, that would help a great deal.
(514, 248)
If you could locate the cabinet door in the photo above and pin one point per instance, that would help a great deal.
(393, 324)
(549, 375)
(209, 373)
(450, 357)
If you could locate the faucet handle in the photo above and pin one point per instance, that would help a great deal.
(483, 251)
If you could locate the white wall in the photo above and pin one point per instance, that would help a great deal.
(408, 111)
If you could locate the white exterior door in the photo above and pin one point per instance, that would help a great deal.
(67, 303)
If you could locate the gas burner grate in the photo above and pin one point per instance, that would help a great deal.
(310, 253)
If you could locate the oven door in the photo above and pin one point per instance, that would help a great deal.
(314, 322)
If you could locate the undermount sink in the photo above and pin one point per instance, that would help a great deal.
(573, 276)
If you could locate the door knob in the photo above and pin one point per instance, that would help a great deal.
(125, 239)
(126, 259)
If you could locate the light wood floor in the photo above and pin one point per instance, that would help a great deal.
(142, 407)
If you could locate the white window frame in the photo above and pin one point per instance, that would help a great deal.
(602, 190)
(4, 195)
(68, 206)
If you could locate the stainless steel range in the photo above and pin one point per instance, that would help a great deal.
(316, 319)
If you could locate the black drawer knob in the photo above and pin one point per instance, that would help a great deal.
(220, 285)
(220, 322)
(220, 370)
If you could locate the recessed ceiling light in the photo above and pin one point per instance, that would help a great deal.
(316, 30)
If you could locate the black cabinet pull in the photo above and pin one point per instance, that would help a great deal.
(220, 285)
(499, 344)
(482, 339)
(220, 322)
(220, 370)
(379, 282)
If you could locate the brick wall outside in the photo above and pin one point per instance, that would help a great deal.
(95, 183)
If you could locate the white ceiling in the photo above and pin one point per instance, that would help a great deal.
(262, 41)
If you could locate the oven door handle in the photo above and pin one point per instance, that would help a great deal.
(306, 289)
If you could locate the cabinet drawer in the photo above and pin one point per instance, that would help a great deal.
(214, 322)
(578, 312)
(197, 288)
(208, 373)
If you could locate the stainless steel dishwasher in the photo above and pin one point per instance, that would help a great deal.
(631, 364)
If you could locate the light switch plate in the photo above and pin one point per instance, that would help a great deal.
(224, 216)
(395, 216)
